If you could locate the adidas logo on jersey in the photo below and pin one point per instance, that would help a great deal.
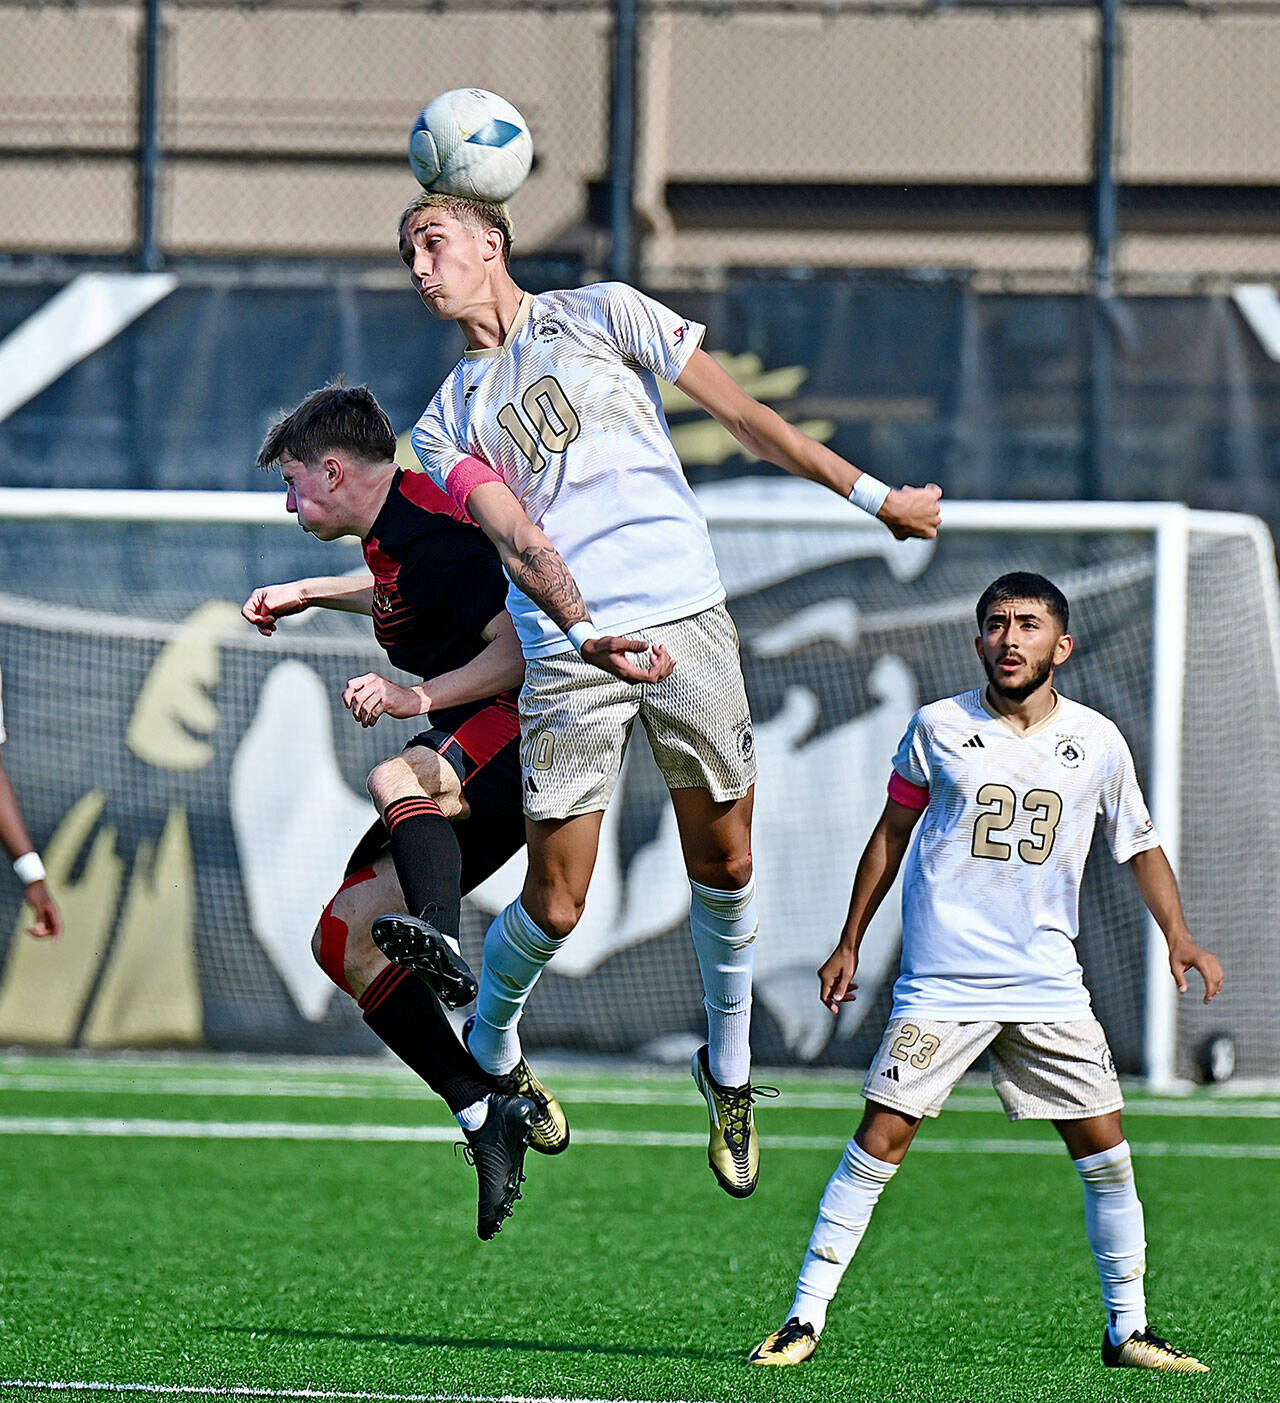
(974, 742)
(891, 1073)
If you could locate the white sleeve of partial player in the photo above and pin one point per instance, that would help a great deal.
(911, 760)
(1125, 818)
(438, 453)
(646, 332)
(3, 733)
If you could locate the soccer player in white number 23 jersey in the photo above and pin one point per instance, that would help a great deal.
(1009, 782)
(550, 435)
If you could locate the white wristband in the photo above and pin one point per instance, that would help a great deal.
(869, 494)
(28, 868)
(578, 634)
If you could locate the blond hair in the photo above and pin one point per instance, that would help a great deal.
(480, 214)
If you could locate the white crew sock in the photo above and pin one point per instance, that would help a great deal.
(724, 929)
(843, 1216)
(515, 950)
(1113, 1222)
(472, 1117)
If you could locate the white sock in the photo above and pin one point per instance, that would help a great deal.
(472, 1117)
(515, 950)
(843, 1216)
(1113, 1222)
(724, 929)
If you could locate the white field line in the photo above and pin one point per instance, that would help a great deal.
(244, 1391)
(90, 1126)
(397, 1090)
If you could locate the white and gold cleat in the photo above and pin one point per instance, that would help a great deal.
(1146, 1350)
(733, 1150)
(792, 1344)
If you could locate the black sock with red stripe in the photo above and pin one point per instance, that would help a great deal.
(406, 1015)
(428, 861)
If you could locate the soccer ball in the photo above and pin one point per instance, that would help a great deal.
(473, 143)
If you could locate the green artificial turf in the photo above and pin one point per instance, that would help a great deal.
(321, 1265)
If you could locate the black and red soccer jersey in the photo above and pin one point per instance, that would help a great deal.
(437, 583)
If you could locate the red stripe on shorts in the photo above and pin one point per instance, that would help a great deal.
(482, 736)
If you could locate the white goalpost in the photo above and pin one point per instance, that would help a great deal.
(844, 633)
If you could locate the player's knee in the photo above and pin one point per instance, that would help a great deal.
(382, 783)
(557, 914)
(730, 872)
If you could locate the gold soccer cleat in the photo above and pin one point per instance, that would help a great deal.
(1148, 1351)
(550, 1124)
(733, 1150)
(792, 1344)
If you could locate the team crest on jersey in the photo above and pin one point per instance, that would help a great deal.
(746, 741)
(1070, 752)
(547, 328)
(383, 601)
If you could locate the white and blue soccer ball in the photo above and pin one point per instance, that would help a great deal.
(472, 143)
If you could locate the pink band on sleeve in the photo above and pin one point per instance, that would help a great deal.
(466, 477)
(910, 796)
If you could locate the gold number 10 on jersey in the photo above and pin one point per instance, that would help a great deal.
(1000, 808)
(543, 423)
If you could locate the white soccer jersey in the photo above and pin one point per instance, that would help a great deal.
(568, 411)
(3, 733)
(990, 904)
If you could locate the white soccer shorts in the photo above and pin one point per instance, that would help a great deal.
(575, 721)
(1041, 1071)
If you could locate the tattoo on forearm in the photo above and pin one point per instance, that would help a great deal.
(545, 578)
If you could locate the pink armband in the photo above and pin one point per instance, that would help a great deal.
(910, 796)
(466, 477)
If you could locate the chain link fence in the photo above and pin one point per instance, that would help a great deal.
(897, 134)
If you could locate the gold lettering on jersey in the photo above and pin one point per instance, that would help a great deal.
(1047, 807)
(1000, 808)
(543, 423)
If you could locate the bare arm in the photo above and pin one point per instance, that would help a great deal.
(17, 843)
(536, 567)
(907, 511)
(353, 594)
(877, 869)
(496, 668)
(1158, 888)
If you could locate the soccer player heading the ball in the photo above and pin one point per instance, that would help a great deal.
(550, 434)
(450, 801)
(1009, 781)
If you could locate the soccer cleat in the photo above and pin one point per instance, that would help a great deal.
(1146, 1350)
(792, 1344)
(734, 1148)
(496, 1152)
(433, 956)
(550, 1124)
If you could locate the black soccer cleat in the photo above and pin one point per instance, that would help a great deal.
(496, 1151)
(1146, 1350)
(550, 1124)
(429, 953)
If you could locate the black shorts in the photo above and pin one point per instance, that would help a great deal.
(484, 751)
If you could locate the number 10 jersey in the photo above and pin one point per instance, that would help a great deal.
(990, 893)
(567, 411)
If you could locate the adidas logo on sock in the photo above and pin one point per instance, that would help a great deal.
(974, 742)
(891, 1073)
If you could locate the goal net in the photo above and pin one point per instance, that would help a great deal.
(196, 789)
